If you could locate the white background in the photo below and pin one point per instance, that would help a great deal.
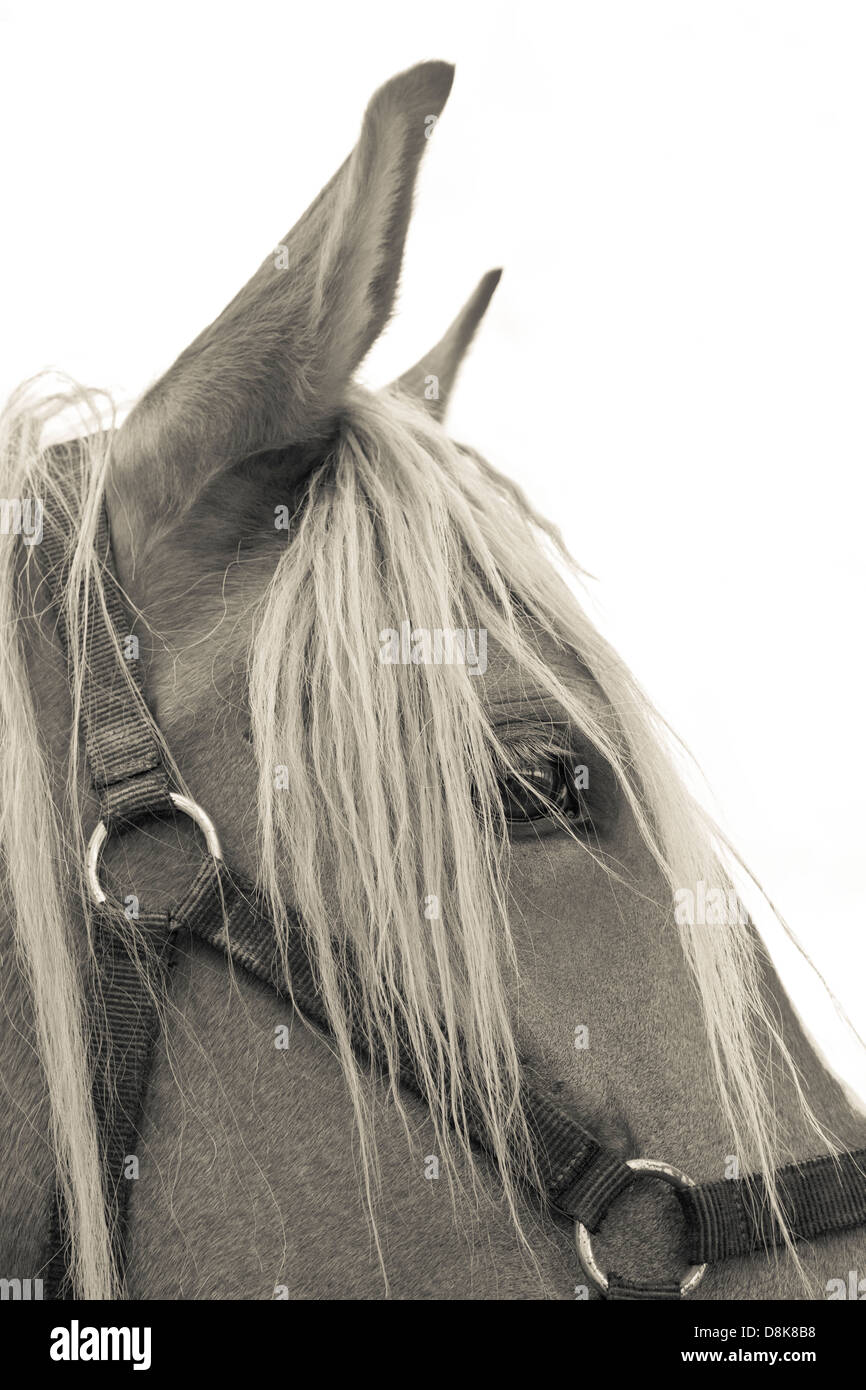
(673, 364)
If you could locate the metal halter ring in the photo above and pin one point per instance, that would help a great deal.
(693, 1275)
(100, 835)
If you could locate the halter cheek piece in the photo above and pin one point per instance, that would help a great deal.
(133, 957)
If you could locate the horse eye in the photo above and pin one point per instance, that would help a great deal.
(548, 789)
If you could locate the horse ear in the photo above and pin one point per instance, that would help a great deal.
(274, 368)
(431, 380)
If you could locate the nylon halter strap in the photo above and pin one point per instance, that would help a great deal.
(131, 967)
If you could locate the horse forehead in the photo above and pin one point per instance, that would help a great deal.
(199, 596)
(507, 689)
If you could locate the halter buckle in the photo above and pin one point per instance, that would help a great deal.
(100, 835)
(693, 1275)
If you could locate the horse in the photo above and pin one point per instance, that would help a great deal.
(494, 828)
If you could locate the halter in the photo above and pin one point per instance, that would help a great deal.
(133, 958)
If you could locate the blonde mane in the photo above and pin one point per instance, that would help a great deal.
(388, 789)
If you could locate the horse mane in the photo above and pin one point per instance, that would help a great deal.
(395, 778)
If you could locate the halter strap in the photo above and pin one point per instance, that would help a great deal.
(819, 1196)
(124, 753)
(131, 970)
